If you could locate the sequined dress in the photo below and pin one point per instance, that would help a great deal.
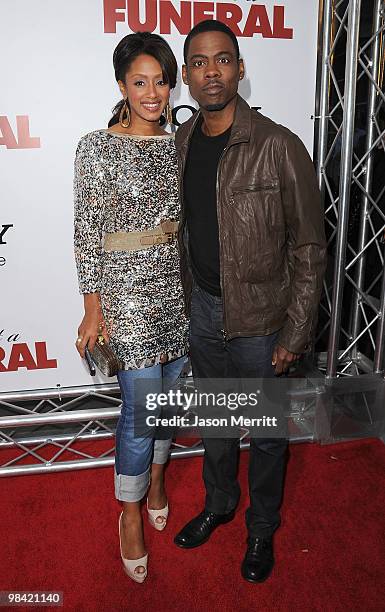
(127, 183)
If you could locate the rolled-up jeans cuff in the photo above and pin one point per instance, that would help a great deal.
(161, 450)
(131, 488)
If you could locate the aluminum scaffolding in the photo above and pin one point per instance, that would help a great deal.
(340, 392)
(347, 290)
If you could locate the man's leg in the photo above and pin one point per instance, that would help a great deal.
(267, 463)
(267, 460)
(267, 466)
(209, 359)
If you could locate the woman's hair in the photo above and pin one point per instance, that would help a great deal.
(128, 50)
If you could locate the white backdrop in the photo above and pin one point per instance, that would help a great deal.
(58, 84)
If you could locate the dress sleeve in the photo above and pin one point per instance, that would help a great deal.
(89, 200)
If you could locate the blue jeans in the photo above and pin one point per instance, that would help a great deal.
(134, 455)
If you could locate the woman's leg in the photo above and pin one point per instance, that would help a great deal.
(133, 457)
(131, 533)
(157, 497)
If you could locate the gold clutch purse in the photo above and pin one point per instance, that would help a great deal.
(104, 357)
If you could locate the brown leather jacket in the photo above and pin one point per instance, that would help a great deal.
(271, 231)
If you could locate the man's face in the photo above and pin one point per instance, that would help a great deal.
(213, 70)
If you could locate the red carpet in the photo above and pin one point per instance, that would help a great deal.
(59, 532)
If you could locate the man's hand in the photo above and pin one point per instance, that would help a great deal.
(282, 359)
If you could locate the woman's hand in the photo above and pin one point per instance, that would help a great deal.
(92, 324)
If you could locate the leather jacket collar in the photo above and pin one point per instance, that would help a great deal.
(240, 131)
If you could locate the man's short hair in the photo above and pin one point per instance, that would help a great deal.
(209, 25)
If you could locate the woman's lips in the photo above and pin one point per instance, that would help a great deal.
(151, 106)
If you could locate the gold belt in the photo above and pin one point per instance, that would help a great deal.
(135, 241)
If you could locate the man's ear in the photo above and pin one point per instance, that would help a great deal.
(184, 74)
(241, 69)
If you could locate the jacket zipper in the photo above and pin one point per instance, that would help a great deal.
(224, 331)
(183, 159)
(257, 188)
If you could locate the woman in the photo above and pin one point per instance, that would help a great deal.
(126, 211)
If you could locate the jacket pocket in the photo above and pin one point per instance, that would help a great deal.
(257, 239)
(258, 186)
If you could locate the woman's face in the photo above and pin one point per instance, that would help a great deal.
(145, 89)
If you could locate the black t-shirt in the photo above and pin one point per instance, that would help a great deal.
(200, 198)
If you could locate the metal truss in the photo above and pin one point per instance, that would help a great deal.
(54, 431)
(352, 309)
(46, 431)
(342, 391)
(51, 432)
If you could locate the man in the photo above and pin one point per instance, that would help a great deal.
(252, 249)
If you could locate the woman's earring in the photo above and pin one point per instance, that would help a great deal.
(125, 110)
(168, 113)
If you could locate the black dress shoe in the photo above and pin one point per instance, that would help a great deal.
(259, 559)
(200, 528)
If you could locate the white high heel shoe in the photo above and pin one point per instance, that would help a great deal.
(155, 514)
(131, 566)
